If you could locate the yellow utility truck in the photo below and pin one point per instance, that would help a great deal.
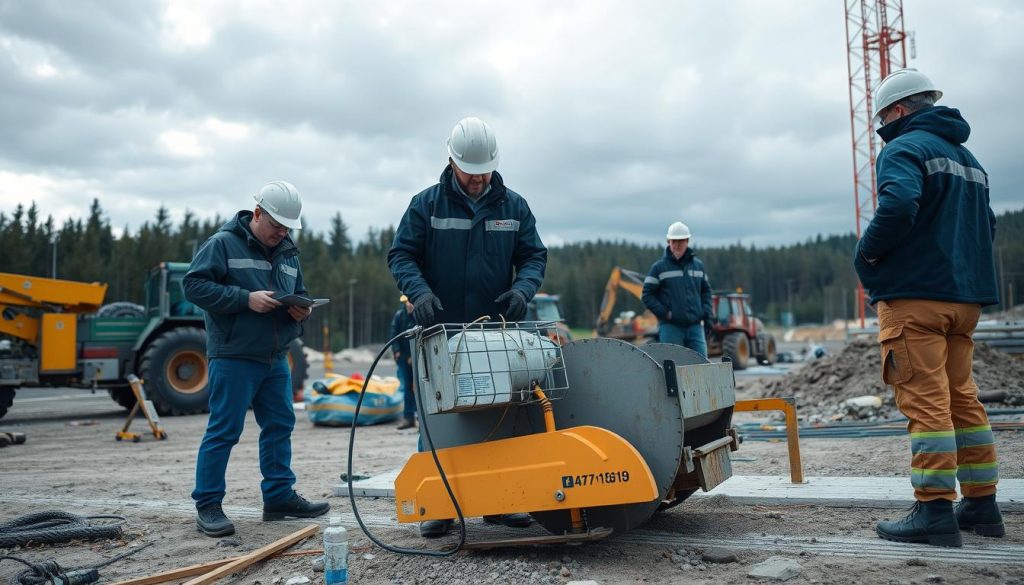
(59, 333)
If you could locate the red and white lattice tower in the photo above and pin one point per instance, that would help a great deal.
(875, 46)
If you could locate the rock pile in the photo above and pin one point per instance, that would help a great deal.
(848, 385)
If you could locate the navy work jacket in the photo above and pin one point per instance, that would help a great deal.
(228, 266)
(467, 258)
(931, 235)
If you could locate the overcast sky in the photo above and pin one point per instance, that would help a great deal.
(613, 118)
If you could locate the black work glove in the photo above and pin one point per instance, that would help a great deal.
(516, 300)
(709, 327)
(424, 307)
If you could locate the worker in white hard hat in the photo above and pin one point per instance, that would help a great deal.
(676, 290)
(926, 261)
(468, 247)
(234, 278)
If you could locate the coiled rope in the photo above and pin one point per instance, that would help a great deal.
(55, 526)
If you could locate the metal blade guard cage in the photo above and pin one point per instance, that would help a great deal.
(473, 366)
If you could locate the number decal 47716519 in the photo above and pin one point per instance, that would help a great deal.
(600, 478)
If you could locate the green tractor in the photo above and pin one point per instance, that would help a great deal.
(164, 343)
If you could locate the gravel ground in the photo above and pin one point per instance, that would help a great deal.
(72, 463)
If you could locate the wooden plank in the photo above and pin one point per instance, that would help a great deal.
(205, 568)
(255, 556)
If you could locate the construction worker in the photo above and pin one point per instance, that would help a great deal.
(676, 290)
(926, 260)
(468, 247)
(402, 350)
(234, 278)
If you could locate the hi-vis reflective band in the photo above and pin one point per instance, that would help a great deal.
(978, 473)
(671, 274)
(450, 223)
(932, 442)
(651, 280)
(696, 273)
(942, 479)
(502, 225)
(978, 436)
(951, 167)
(249, 263)
(292, 272)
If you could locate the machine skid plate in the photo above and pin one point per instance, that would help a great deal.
(578, 467)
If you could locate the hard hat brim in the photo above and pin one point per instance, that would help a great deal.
(292, 224)
(474, 168)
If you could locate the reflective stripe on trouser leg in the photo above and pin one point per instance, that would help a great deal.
(978, 470)
(933, 467)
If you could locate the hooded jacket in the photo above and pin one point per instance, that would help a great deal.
(931, 235)
(467, 258)
(228, 266)
(680, 286)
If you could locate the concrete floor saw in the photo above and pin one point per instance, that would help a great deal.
(591, 438)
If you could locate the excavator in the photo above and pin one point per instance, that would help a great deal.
(737, 333)
(629, 327)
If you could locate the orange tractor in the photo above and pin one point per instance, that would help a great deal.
(737, 334)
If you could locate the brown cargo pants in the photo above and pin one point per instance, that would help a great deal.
(927, 356)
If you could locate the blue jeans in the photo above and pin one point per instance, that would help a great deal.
(690, 336)
(235, 384)
(405, 384)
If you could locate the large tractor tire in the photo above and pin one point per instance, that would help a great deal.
(736, 347)
(123, 397)
(6, 400)
(175, 371)
(299, 366)
(122, 309)
(770, 351)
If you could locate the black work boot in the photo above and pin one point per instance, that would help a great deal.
(407, 422)
(212, 521)
(980, 514)
(511, 520)
(929, 522)
(435, 528)
(294, 507)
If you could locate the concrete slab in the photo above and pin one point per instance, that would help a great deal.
(774, 568)
(843, 492)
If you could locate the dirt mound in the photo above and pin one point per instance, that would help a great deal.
(824, 386)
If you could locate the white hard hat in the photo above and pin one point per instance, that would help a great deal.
(473, 147)
(898, 85)
(678, 231)
(282, 201)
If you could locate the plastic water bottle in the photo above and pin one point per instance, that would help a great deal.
(335, 553)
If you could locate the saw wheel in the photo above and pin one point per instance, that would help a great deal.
(623, 389)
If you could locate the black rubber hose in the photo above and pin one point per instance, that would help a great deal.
(426, 431)
(50, 571)
(55, 526)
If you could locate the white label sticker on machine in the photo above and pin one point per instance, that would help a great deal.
(470, 385)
